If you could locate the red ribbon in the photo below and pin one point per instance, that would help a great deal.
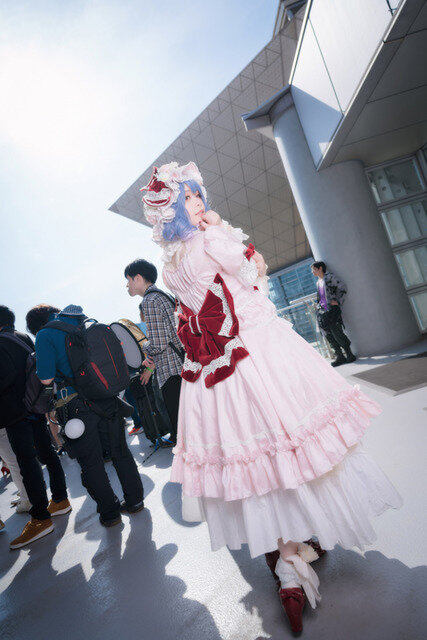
(199, 333)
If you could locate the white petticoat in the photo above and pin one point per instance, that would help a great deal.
(335, 507)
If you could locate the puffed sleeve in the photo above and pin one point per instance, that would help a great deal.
(225, 245)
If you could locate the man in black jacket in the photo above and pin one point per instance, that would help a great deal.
(29, 436)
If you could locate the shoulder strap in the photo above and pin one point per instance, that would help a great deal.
(164, 294)
(16, 340)
(179, 352)
(62, 326)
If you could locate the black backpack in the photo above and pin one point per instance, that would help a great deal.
(96, 359)
(35, 400)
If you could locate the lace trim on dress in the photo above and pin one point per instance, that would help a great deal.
(248, 273)
(237, 234)
(224, 360)
(217, 290)
(320, 417)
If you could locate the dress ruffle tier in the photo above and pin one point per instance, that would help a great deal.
(337, 508)
(265, 464)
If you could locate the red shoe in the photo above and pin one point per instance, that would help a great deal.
(5, 471)
(271, 559)
(293, 603)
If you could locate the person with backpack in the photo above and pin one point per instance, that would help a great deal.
(87, 363)
(164, 346)
(28, 434)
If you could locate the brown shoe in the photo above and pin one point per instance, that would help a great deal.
(59, 508)
(33, 530)
(2, 525)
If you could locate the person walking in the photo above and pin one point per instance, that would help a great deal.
(330, 296)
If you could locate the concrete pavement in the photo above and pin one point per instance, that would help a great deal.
(155, 577)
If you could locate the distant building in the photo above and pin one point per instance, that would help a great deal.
(329, 160)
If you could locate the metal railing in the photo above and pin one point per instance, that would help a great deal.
(302, 314)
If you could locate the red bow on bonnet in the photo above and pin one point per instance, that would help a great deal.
(158, 193)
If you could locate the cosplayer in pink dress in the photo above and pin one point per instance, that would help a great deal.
(267, 450)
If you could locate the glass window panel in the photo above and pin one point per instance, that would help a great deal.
(413, 265)
(419, 303)
(406, 223)
(395, 181)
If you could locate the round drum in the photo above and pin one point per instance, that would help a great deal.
(132, 339)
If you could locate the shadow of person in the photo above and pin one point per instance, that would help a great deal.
(172, 502)
(104, 583)
(160, 458)
(367, 597)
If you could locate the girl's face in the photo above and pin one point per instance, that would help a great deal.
(194, 206)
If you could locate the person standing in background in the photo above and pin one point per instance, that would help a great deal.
(330, 296)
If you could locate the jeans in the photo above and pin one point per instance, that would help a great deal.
(135, 416)
(337, 338)
(103, 432)
(30, 439)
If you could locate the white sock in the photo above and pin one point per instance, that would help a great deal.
(287, 574)
(296, 572)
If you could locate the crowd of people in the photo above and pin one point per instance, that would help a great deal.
(265, 433)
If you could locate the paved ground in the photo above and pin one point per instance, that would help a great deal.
(155, 578)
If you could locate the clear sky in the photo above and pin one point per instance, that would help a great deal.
(91, 93)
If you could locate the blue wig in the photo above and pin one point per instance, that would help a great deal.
(180, 228)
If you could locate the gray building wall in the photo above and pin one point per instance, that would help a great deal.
(242, 171)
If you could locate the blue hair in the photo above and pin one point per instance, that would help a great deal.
(180, 228)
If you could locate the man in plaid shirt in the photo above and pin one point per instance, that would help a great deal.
(164, 346)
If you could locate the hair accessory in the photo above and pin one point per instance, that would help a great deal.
(162, 192)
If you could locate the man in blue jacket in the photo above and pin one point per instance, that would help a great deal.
(104, 427)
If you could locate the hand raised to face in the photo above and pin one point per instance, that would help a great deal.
(260, 264)
(209, 218)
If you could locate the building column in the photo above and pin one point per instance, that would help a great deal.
(344, 229)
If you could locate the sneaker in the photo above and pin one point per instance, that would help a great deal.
(110, 523)
(2, 525)
(166, 442)
(133, 509)
(33, 530)
(59, 508)
(135, 430)
(23, 506)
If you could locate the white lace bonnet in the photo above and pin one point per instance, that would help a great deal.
(162, 192)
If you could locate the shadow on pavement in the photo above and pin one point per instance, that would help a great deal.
(369, 597)
(172, 502)
(121, 590)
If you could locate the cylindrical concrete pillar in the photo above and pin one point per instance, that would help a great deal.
(344, 229)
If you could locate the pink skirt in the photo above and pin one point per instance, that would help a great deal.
(270, 451)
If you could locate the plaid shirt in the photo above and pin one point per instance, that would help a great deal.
(159, 317)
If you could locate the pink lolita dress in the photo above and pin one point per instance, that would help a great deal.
(268, 432)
